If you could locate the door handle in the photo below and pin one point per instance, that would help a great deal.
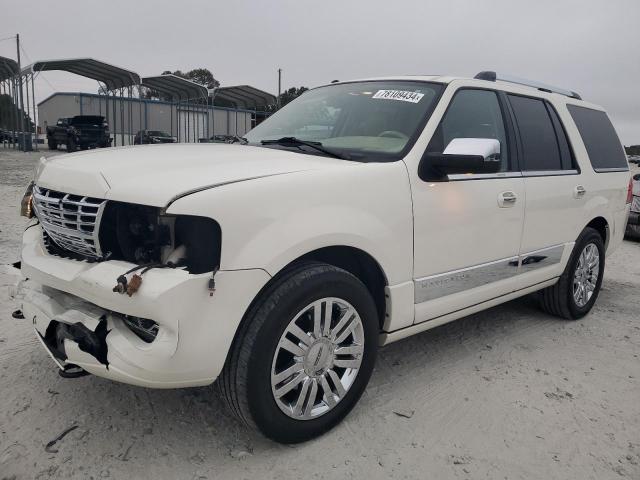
(579, 191)
(507, 199)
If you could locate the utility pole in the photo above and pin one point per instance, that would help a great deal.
(279, 85)
(22, 143)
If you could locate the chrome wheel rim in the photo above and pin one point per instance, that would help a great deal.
(585, 277)
(317, 358)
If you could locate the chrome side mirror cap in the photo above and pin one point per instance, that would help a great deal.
(487, 148)
(462, 155)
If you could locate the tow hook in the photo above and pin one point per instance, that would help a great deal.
(73, 371)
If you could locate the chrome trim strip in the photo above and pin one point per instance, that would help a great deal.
(456, 281)
(448, 283)
(483, 176)
(549, 173)
(612, 169)
(541, 258)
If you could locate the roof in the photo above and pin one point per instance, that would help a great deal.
(244, 96)
(8, 68)
(483, 78)
(177, 88)
(111, 76)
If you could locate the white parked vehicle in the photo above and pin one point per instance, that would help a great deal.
(360, 214)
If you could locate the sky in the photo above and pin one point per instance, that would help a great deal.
(589, 46)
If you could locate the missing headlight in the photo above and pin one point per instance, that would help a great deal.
(139, 234)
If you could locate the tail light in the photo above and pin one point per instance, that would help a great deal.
(630, 191)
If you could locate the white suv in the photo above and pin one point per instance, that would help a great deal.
(361, 213)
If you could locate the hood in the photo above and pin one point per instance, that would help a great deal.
(157, 174)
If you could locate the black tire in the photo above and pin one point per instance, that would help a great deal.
(558, 299)
(52, 145)
(71, 145)
(245, 382)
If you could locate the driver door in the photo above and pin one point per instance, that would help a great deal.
(467, 230)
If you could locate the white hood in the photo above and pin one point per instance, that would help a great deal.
(155, 174)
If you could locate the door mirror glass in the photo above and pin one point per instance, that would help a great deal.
(462, 155)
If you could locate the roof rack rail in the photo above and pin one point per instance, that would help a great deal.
(493, 76)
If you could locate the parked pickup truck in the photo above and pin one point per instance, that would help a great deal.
(79, 132)
(361, 213)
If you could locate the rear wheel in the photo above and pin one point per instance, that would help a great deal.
(579, 285)
(304, 354)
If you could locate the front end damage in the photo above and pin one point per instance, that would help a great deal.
(172, 333)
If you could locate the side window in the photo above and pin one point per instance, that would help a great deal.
(472, 114)
(599, 138)
(540, 146)
(566, 154)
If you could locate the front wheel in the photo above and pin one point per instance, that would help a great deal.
(579, 285)
(304, 354)
(71, 145)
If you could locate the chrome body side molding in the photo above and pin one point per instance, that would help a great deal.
(456, 281)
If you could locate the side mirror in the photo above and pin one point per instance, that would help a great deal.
(462, 155)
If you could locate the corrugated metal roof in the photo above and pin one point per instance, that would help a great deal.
(245, 96)
(8, 68)
(177, 87)
(111, 76)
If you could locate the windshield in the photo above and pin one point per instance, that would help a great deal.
(379, 120)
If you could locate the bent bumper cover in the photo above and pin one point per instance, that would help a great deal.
(73, 302)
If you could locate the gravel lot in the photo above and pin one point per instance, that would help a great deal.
(507, 393)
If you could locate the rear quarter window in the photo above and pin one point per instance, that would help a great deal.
(599, 138)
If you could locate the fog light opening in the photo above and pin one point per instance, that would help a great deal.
(145, 329)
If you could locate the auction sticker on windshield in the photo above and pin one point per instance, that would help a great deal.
(400, 95)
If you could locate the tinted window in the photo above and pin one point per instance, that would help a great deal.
(599, 138)
(540, 147)
(472, 114)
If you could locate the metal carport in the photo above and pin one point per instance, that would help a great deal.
(246, 97)
(112, 80)
(184, 94)
(9, 76)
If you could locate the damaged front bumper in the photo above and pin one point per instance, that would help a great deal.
(81, 321)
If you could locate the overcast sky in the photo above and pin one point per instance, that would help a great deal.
(590, 46)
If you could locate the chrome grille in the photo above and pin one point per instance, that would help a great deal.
(635, 204)
(71, 221)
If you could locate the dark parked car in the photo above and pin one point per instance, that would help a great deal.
(81, 131)
(153, 136)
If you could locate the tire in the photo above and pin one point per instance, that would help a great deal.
(632, 232)
(71, 145)
(52, 145)
(248, 380)
(559, 299)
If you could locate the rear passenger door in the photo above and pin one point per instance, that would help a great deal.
(554, 196)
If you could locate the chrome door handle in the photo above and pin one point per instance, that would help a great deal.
(579, 191)
(507, 199)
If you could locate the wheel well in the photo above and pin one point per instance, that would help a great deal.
(358, 263)
(601, 225)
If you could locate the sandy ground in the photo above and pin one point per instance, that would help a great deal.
(508, 393)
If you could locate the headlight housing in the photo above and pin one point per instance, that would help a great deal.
(26, 204)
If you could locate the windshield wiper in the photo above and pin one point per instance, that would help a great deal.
(236, 138)
(296, 142)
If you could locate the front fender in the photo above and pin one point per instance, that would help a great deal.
(268, 222)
